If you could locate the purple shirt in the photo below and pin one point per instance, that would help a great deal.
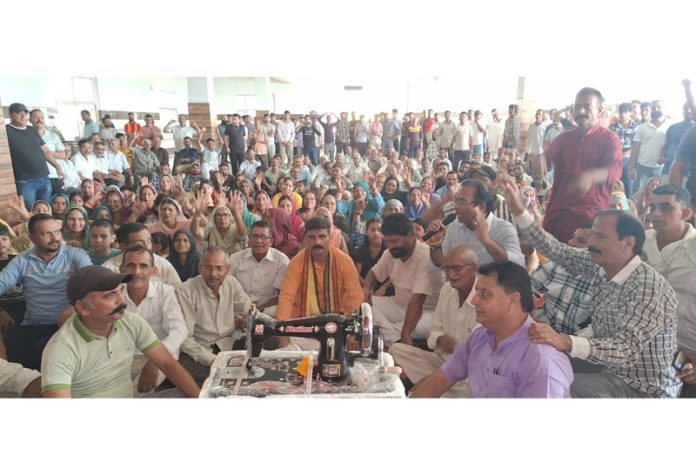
(518, 368)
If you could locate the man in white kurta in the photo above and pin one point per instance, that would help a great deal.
(156, 303)
(215, 307)
(454, 318)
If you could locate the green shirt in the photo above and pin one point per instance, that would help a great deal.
(91, 365)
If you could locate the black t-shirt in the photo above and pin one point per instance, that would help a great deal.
(236, 135)
(28, 160)
(13, 301)
(308, 135)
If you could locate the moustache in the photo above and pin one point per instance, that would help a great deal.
(317, 247)
(119, 309)
(594, 250)
(577, 117)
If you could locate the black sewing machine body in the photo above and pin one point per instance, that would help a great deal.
(331, 330)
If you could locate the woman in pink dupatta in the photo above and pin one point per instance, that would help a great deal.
(296, 223)
(283, 238)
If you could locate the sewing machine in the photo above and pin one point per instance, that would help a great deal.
(331, 330)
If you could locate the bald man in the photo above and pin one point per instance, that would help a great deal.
(454, 318)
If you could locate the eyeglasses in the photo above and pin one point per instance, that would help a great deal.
(456, 267)
(261, 237)
(463, 202)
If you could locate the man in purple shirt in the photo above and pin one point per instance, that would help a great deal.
(499, 359)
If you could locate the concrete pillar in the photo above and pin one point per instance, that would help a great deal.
(201, 93)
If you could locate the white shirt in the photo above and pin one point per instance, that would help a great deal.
(476, 134)
(417, 275)
(209, 320)
(676, 262)
(164, 271)
(495, 136)
(651, 139)
(161, 310)
(70, 179)
(249, 168)
(286, 130)
(451, 319)
(461, 137)
(117, 161)
(83, 165)
(14, 378)
(180, 133)
(54, 144)
(100, 164)
(260, 280)
(535, 138)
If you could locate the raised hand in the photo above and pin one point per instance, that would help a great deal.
(511, 193)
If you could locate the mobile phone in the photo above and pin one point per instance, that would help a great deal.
(680, 361)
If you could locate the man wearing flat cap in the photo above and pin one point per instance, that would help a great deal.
(29, 155)
(91, 355)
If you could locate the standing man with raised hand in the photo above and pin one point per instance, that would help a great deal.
(587, 162)
(29, 155)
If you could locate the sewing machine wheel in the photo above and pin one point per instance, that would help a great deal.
(366, 326)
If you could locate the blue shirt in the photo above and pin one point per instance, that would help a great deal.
(673, 137)
(44, 283)
(502, 232)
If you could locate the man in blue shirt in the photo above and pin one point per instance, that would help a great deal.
(43, 271)
(673, 137)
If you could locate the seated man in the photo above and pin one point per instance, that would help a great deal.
(634, 308)
(320, 279)
(260, 268)
(43, 272)
(91, 354)
(416, 281)
(156, 303)
(130, 234)
(499, 360)
(670, 247)
(211, 303)
(567, 297)
(454, 318)
(493, 239)
(14, 378)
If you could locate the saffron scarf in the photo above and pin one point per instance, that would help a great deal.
(311, 303)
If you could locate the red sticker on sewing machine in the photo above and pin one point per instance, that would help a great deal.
(331, 327)
(258, 329)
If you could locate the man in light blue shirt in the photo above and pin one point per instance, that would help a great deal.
(43, 271)
(493, 239)
(91, 127)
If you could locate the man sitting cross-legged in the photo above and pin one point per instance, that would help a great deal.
(454, 318)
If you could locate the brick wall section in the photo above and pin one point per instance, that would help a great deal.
(199, 112)
(7, 183)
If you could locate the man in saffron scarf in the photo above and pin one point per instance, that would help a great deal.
(320, 279)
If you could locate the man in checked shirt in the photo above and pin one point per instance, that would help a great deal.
(634, 313)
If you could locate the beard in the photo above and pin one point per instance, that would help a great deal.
(400, 252)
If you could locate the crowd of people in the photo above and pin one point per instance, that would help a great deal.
(553, 266)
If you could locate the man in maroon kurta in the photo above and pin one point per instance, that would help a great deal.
(587, 162)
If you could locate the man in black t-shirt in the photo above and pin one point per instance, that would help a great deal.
(29, 155)
(309, 133)
(235, 134)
